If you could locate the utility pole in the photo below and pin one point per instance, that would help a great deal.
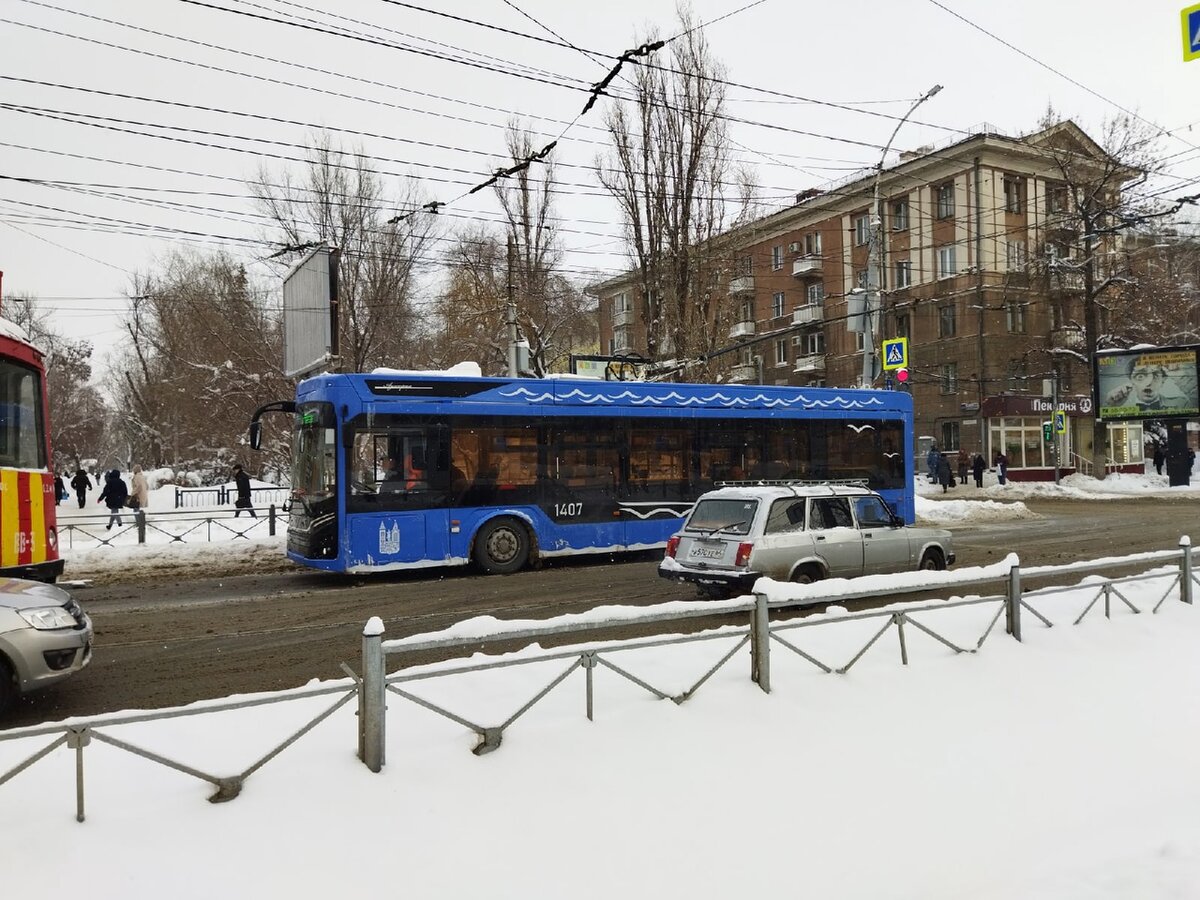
(875, 252)
(511, 312)
(1057, 445)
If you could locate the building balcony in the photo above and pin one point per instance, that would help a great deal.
(814, 362)
(806, 266)
(624, 318)
(744, 373)
(1066, 339)
(813, 314)
(742, 284)
(742, 329)
(1065, 279)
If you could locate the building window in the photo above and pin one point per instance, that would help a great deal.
(777, 257)
(813, 343)
(620, 339)
(781, 353)
(1014, 195)
(862, 230)
(860, 278)
(621, 303)
(899, 215)
(947, 323)
(902, 325)
(951, 438)
(1016, 317)
(1018, 380)
(812, 244)
(743, 265)
(945, 200)
(949, 378)
(860, 341)
(946, 267)
(1015, 256)
(1056, 198)
(816, 294)
(1056, 315)
(903, 274)
(747, 311)
(777, 304)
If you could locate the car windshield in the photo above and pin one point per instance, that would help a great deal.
(727, 516)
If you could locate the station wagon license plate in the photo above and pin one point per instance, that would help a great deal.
(700, 552)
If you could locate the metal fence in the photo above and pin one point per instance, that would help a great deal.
(177, 527)
(760, 632)
(222, 495)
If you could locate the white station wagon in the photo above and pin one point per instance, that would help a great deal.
(800, 533)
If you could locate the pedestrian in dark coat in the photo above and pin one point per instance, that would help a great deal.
(964, 464)
(82, 485)
(243, 501)
(1001, 468)
(945, 476)
(977, 468)
(60, 489)
(1159, 459)
(931, 462)
(115, 495)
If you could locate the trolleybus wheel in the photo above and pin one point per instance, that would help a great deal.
(502, 546)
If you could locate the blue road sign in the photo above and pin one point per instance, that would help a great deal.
(1060, 422)
(895, 354)
(1191, 32)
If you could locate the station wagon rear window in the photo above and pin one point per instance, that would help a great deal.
(724, 516)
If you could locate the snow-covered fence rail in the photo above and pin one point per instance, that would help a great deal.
(79, 734)
(1010, 599)
(171, 526)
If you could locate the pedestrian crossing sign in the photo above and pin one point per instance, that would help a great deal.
(1060, 422)
(1191, 32)
(895, 354)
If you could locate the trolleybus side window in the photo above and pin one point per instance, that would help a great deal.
(22, 433)
(659, 460)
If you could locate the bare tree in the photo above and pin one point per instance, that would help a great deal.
(670, 173)
(341, 201)
(203, 351)
(551, 313)
(1095, 200)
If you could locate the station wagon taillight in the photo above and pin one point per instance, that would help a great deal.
(743, 555)
(672, 546)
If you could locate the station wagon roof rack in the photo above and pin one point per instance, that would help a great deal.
(793, 482)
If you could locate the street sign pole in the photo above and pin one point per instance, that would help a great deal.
(1057, 439)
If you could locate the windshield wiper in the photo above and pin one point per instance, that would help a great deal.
(712, 531)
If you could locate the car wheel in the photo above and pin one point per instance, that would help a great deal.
(8, 686)
(502, 546)
(932, 561)
(712, 592)
(807, 575)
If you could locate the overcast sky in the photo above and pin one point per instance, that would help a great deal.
(142, 173)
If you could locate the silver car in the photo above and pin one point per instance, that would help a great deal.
(44, 637)
(799, 533)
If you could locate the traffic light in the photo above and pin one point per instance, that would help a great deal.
(902, 375)
(1047, 432)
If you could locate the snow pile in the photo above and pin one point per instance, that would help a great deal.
(957, 512)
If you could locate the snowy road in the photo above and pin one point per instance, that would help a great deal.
(163, 641)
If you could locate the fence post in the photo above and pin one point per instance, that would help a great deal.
(1185, 569)
(760, 640)
(139, 517)
(1013, 604)
(371, 697)
(271, 520)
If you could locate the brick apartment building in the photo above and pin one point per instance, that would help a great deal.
(972, 273)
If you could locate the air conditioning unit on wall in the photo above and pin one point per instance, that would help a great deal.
(794, 247)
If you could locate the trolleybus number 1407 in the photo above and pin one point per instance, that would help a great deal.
(568, 510)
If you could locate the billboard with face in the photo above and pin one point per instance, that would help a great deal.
(1154, 383)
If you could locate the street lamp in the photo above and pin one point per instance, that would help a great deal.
(875, 249)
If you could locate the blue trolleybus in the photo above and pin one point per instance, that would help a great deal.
(400, 470)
